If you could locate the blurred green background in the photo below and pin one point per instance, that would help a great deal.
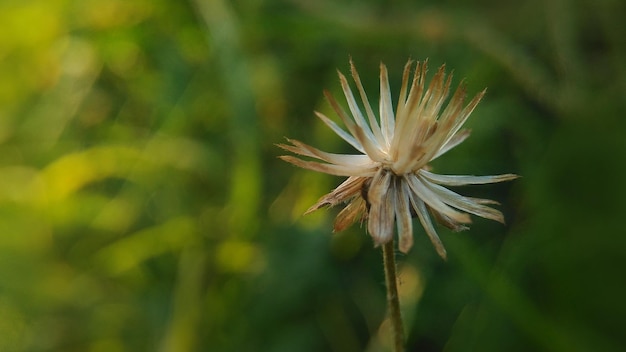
(142, 206)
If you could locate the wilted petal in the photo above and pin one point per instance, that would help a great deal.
(349, 188)
(403, 217)
(437, 92)
(405, 84)
(454, 107)
(354, 211)
(422, 214)
(381, 213)
(458, 119)
(448, 123)
(446, 221)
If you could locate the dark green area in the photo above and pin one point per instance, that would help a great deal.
(142, 206)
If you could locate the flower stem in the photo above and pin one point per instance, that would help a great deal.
(393, 300)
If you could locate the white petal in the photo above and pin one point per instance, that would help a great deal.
(368, 108)
(457, 139)
(483, 201)
(371, 148)
(462, 180)
(387, 119)
(338, 159)
(369, 145)
(410, 158)
(409, 117)
(331, 169)
(433, 200)
(463, 203)
(356, 111)
(340, 132)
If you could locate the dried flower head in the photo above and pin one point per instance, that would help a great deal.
(390, 181)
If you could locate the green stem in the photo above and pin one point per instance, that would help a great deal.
(393, 301)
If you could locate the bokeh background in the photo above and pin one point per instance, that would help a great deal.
(142, 206)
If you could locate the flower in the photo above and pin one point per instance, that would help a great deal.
(390, 181)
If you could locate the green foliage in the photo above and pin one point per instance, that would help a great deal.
(142, 206)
